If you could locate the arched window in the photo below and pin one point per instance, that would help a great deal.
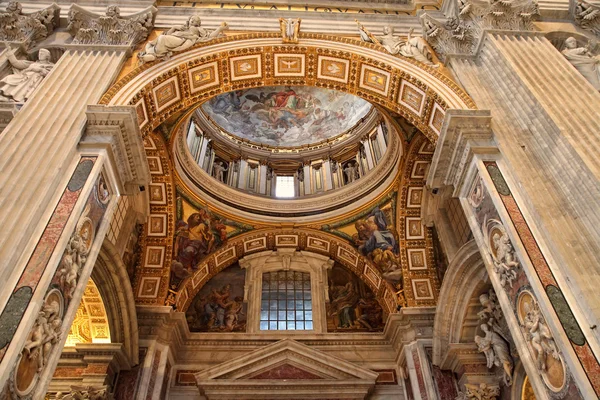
(286, 301)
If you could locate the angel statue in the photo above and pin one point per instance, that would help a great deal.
(413, 47)
(26, 76)
(179, 38)
(290, 28)
(496, 351)
(539, 335)
(583, 60)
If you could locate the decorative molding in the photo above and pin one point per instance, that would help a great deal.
(587, 16)
(111, 29)
(460, 28)
(313, 371)
(464, 133)
(116, 129)
(27, 28)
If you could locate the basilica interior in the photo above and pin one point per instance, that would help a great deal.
(281, 199)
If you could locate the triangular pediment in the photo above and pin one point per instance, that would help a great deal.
(286, 370)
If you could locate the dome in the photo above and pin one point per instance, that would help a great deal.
(286, 116)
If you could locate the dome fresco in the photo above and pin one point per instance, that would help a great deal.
(284, 116)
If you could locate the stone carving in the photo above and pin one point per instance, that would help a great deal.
(491, 312)
(18, 27)
(109, 29)
(179, 38)
(413, 47)
(494, 344)
(477, 194)
(351, 172)
(465, 20)
(46, 332)
(479, 392)
(583, 60)
(218, 170)
(75, 256)
(502, 251)
(290, 28)
(538, 335)
(84, 392)
(496, 350)
(588, 16)
(26, 76)
(300, 174)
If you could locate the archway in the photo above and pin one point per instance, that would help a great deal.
(419, 93)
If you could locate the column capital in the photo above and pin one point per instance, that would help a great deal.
(27, 29)
(116, 130)
(110, 29)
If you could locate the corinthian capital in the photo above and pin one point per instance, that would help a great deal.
(27, 28)
(111, 28)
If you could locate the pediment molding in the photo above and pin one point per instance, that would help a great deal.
(318, 375)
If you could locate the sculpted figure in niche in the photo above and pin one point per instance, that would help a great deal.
(26, 76)
(496, 351)
(45, 334)
(218, 170)
(179, 38)
(539, 335)
(351, 172)
(583, 60)
(413, 47)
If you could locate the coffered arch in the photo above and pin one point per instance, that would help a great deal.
(418, 92)
(301, 239)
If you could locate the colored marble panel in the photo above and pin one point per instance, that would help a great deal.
(17, 304)
(565, 315)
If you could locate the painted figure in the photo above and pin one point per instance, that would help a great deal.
(344, 300)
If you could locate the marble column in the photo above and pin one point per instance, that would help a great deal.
(554, 350)
(546, 123)
(419, 371)
(156, 371)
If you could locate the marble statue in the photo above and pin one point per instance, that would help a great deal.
(300, 174)
(412, 47)
(482, 391)
(583, 60)
(179, 38)
(26, 76)
(71, 263)
(350, 170)
(83, 393)
(505, 261)
(44, 334)
(290, 28)
(539, 335)
(496, 351)
(491, 309)
(218, 170)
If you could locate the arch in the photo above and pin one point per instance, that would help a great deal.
(110, 276)
(418, 92)
(91, 321)
(301, 239)
(465, 275)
